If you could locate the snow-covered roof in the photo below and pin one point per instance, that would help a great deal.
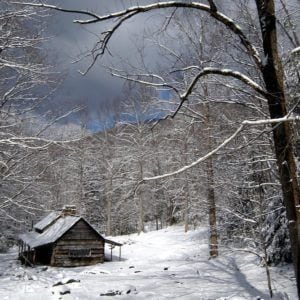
(47, 221)
(52, 227)
(50, 234)
(113, 242)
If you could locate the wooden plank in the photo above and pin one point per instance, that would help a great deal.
(79, 242)
(82, 230)
(74, 263)
(97, 251)
(80, 235)
(27, 261)
(66, 257)
(75, 243)
(59, 253)
(76, 246)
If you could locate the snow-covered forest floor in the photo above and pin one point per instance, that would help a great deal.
(164, 264)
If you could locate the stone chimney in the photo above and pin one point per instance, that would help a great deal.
(69, 210)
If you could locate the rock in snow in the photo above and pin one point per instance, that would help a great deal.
(66, 281)
(111, 293)
(64, 290)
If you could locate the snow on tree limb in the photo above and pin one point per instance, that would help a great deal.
(123, 15)
(206, 71)
(244, 124)
(42, 5)
(35, 143)
(184, 96)
(161, 84)
(238, 215)
(224, 72)
(295, 50)
(34, 68)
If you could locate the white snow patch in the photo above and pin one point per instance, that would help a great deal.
(161, 264)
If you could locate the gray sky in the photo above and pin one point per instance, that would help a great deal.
(97, 90)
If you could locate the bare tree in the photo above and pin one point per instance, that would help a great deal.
(22, 74)
(28, 181)
(269, 67)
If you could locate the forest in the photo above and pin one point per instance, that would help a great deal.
(205, 131)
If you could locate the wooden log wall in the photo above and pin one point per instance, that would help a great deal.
(79, 237)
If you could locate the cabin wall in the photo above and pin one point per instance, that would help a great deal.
(79, 246)
(43, 255)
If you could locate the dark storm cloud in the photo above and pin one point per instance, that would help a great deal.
(97, 89)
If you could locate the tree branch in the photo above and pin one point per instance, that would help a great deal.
(212, 6)
(222, 145)
(134, 10)
(224, 72)
(184, 96)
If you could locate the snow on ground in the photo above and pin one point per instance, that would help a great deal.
(164, 264)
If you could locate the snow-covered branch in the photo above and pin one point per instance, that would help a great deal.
(244, 124)
(123, 15)
(137, 79)
(295, 50)
(184, 96)
(34, 143)
(224, 72)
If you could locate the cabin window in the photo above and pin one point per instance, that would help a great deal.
(76, 253)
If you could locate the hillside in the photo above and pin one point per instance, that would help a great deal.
(160, 264)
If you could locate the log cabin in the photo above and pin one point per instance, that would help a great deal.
(63, 239)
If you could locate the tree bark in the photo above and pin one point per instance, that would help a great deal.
(141, 215)
(186, 207)
(140, 203)
(108, 207)
(272, 72)
(186, 191)
(213, 237)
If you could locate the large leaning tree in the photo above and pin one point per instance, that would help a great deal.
(268, 63)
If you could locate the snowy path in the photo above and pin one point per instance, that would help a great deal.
(165, 264)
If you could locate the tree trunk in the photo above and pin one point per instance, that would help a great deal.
(212, 217)
(213, 238)
(141, 204)
(186, 189)
(141, 214)
(186, 208)
(160, 193)
(108, 221)
(282, 134)
(108, 208)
